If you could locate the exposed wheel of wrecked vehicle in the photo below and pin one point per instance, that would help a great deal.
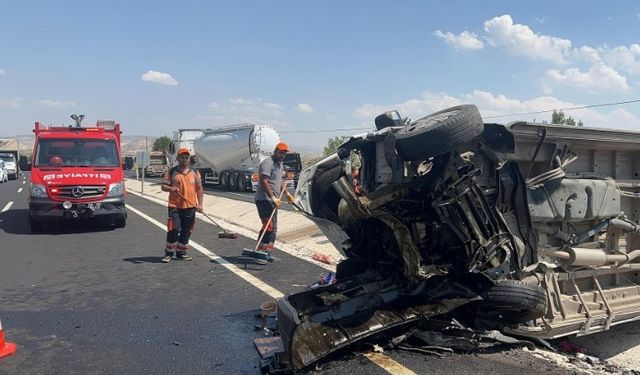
(513, 301)
(439, 133)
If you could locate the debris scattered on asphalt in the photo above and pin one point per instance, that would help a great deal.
(322, 258)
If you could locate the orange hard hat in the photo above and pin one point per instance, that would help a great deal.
(282, 146)
(184, 150)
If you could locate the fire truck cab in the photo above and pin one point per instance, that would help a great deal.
(76, 174)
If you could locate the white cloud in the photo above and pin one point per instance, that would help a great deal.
(2, 72)
(589, 54)
(240, 110)
(240, 101)
(492, 105)
(623, 58)
(272, 106)
(599, 77)
(55, 103)
(11, 102)
(159, 78)
(428, 103)
(304, 108)
(520, 40)
(464, 40)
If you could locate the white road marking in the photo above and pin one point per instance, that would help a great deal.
(19, 190)
(379, 359)
(24, 182)
(7, 207)
(269, 290)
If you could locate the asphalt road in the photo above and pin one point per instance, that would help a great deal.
(91, 299)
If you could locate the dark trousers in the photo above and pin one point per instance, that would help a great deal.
(180, 224)
(265, 208)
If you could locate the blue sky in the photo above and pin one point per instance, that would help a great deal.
(312, 68)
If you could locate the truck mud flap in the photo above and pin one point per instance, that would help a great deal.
(307, 342)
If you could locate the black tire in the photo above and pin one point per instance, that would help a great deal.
(514, 301)
(121, 222)
(439, 133)
(242, 182)
(233, 182)
(224, 180)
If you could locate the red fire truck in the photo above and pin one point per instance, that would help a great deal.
(76, 174)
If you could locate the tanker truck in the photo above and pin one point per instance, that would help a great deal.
(229, 156)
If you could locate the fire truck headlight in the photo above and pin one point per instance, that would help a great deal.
(116, 189)
(38, 191)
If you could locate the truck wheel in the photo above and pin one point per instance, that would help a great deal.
(242, 182)
(121, 222)
(439, 133)
(233, 182)
(514, 301)
(224, 179)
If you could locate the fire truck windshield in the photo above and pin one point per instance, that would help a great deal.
(60, 152)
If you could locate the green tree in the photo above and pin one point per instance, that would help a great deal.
(559, 118)
(333, 143)
(161, 144)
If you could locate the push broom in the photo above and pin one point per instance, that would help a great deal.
(262, 256)
(225, 233)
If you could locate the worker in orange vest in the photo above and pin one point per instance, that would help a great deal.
(185, 189)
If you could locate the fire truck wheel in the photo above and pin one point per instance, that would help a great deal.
(122, 221)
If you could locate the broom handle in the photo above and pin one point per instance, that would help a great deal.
(264, 230)
(205, 215)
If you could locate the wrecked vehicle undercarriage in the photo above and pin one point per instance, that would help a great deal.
(528, 228)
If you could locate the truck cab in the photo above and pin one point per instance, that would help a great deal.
(10, 164)
(76, 174)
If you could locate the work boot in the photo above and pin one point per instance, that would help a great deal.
(166, 259)
(183, 257)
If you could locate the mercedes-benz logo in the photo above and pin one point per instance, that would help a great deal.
(77, 191)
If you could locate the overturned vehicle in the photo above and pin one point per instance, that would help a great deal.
(528, 228)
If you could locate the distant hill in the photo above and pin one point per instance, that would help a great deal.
(130, 144)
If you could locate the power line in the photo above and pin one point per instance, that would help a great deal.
(565, 109)
(323, 130)
(484, 117)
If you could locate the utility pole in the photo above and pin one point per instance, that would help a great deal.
(146, 150)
